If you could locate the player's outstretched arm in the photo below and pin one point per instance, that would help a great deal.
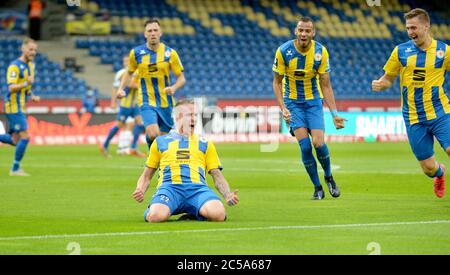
(124, 82)
(181, 80)
(383, 83)
(143, 183)
(12, 88)
(222, 186)
(328, 97)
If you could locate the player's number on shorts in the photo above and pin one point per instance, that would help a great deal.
(164, 198)
(74, 247)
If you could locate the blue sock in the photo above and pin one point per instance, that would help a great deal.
(111, 134)
(137, 131)
(6, 139)
(309, 161)
(20, 152)
(438, 173)
(149, 141)
(323, 155)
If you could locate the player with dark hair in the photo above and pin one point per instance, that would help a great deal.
(301, 83)
(152, 63)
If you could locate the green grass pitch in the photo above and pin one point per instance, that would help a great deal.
(75, 196)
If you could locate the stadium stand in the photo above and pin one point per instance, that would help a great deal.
(227, 47)
(51, 80)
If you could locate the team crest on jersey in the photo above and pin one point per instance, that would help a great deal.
(13, 75)
(167, 53)
(17, 127)
(440, 53)
(317, 57)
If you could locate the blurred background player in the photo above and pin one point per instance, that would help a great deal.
(90, 101)
(183, 158)
(301, 81)
(128, 109)
(422, 63)
(153, 62)
(20, 77)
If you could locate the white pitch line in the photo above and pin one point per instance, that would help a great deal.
(300, 169)
(287, 227)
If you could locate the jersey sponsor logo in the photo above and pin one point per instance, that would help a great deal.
(13, 75)
(152, 68)
(142, 52)
(299, 74)
(289, 52)
(408, 50)
(183, 154)
(419, 75)
(440, 54)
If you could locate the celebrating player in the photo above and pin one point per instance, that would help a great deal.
(153, 62)
(183, 158)
(128, 109)
(301, 80)
(422, 63)
(20, 77)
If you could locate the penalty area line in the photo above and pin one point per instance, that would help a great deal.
(281, 227)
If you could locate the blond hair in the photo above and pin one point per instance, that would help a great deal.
(177, 110)
(420, 13)
(28, 40)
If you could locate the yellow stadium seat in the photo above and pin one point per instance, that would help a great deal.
(92, 7)
(206, 23)
(189, 30)
(302, 4)
(263, 24)
(227, 30)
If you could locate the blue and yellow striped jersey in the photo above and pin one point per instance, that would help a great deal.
(181, 159)
(300, 70)
(18, 73)
(130, 100)
(422, 75)
(153, 70)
